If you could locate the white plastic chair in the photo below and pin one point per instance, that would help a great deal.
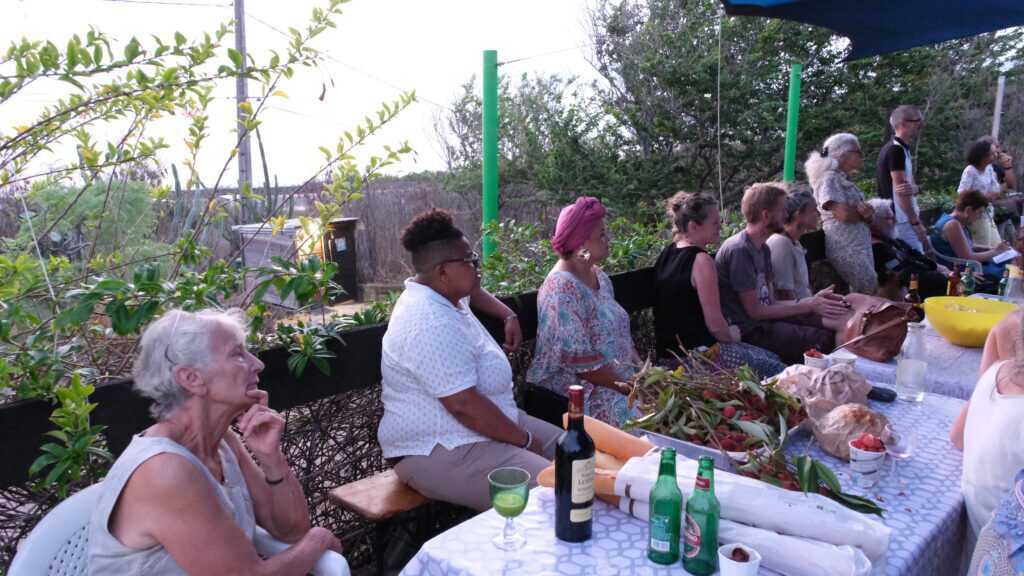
(59, 544)
(974, 265)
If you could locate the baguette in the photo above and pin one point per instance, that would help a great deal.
(604, 483)
(612, 441)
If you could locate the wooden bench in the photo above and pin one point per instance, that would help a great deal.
(377, 499)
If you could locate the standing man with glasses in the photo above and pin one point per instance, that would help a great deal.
(895, 177)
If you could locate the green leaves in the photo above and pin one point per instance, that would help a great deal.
(236, 58)
(814, 476)
(308, 344)
(305, 280)
(76, 439)
(758, 430)
(132, 50)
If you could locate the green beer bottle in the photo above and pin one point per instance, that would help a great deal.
(967, 282)
(701, 532)
(666, 503)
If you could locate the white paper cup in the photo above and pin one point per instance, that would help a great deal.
(819, 363)
(729, 567)
(865, 465)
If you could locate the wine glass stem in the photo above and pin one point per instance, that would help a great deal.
(509, 532)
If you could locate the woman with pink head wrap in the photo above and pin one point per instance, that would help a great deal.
(582, 332)
(576, 222)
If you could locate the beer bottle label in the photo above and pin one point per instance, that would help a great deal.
(702, 483)
(692, 537)
(583, 481)
(661, 533)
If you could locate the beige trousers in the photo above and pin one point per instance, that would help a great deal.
(459, 476)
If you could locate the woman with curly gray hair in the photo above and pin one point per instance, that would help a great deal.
(844, 214)
(189, 483)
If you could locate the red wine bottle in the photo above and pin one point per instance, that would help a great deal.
(574, 476)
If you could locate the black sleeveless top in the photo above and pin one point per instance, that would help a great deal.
(678, 316)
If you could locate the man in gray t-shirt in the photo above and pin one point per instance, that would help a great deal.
(745, 284)
(742, 267)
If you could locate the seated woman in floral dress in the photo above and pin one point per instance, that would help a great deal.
(687, 310)
(582, 332)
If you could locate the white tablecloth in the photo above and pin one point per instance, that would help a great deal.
(927, 517)
(952, 369)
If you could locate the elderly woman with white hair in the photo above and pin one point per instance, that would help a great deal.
(844, 213)
(185, 495)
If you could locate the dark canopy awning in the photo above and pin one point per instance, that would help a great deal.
(882, 26)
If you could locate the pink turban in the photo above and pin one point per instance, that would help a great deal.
(576, 222)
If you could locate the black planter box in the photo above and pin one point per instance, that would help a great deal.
(356, 365)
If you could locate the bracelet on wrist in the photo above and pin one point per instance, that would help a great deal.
(529, 440)
(273, 482)
(511, 316)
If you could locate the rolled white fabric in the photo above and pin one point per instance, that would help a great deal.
(789, 555)
(762, 505)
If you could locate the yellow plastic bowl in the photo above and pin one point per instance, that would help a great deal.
(965, 321)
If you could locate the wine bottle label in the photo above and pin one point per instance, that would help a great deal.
(581, 514)
(661, 533)
(583, 481)
(691, 537)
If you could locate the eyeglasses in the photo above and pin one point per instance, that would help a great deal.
(174, 332)
(473, 259)
(914, 120)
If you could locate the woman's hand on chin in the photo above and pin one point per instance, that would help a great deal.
(261, 428)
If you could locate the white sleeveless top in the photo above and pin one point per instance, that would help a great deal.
(108, 557)
(993, 447)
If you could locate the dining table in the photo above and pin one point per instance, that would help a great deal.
(952, 369)
(922, 502)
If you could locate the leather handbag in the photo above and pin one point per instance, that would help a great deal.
(877, 329)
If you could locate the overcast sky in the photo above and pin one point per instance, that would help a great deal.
(380, 48)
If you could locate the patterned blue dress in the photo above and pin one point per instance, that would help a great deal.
(1000, 548)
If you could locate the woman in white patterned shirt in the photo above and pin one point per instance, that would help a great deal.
(449, 414)
(980, 175)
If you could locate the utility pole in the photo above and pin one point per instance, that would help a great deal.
(997, 116)
(242, 95)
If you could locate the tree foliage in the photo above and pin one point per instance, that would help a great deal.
(86, 271)
(651, 126)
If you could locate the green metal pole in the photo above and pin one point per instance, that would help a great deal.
(792, 116)
(490, 145)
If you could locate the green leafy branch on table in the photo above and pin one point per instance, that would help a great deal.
(731, 411)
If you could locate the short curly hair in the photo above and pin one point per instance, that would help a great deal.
(429, 226)
(430, 236)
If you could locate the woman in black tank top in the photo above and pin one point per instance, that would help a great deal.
(687, 310)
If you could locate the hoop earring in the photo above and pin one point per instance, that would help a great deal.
(584, 255)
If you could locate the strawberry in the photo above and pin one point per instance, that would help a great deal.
(729, 411)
